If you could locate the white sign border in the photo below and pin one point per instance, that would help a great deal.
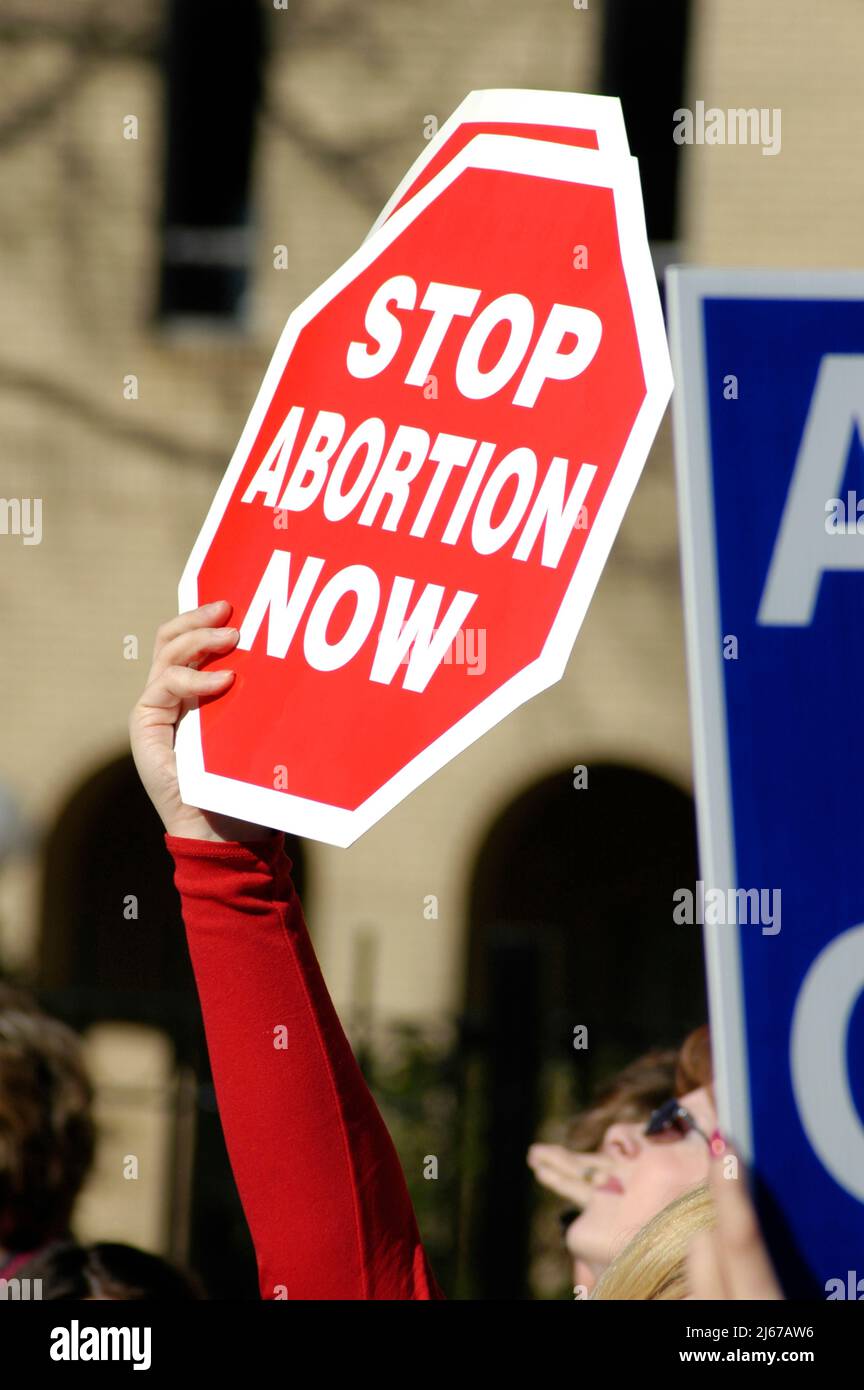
(523, 106)
(336, 825)
(687, 288)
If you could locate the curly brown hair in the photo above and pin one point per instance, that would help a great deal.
(46, 1125)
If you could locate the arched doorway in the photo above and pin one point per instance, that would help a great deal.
(113, 951)
(570, 924)
(111, 933)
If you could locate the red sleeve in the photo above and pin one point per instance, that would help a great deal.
(319, 1178)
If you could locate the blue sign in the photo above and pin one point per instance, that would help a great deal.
(769, 437)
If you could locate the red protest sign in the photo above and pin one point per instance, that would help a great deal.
(440, 454)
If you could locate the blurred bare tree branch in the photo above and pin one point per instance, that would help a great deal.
(48, 392)
(95, 36)
(349, 164)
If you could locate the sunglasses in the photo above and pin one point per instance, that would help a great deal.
(672, 1121)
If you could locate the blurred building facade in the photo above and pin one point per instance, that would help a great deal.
(122, 402)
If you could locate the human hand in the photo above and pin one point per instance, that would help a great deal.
(569, 1174)
(174, 685)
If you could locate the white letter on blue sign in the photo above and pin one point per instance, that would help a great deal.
(804, 549)
(820, 1076)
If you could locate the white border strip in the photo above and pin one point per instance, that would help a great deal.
(522, 106)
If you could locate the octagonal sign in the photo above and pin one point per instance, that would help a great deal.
(425, 493)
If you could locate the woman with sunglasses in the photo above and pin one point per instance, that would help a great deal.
(639, 1170)
(640, 1165)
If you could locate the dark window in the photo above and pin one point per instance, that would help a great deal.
(213, 62)
(644, 63)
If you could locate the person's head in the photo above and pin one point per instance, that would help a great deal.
(653, 1266)
(651, 1162)
(110, 1273)
(46, 1124)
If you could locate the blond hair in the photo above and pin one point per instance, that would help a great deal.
(653, 1267)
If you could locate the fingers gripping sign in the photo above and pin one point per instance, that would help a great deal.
(175, 685)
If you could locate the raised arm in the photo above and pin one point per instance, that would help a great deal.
(317, 1172)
